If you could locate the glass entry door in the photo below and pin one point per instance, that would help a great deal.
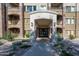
(43, 32)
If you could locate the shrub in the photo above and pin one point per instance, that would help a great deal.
(59, 38)
(71, 37)
(0, 37)
(27, 35)
(8, 36)
(61, 48)
(25, 40)
(23, 46)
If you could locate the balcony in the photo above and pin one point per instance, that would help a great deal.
(59, 24)
(13, 11)
(57, 7)
(15, 31)
(13, 20)
(13, 5)
(13, 8)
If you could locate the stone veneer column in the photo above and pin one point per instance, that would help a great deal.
(21, 20)
(49, 6)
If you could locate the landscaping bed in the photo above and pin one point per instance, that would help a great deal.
(9, 48)
(6, 48)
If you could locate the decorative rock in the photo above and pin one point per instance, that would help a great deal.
(3, 41)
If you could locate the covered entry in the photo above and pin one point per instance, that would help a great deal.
(43, 24)
(43, 29)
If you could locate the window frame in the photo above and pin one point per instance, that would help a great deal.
(70, 21)
(33, 8)
(29, 8)
(70, 32)
(70, 10)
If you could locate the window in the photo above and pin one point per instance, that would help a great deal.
(70, 8)
(70, 21)
(30, 8)
(67, 21)
(70, 32)
(73, 9)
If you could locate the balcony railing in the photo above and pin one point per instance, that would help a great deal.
(56, 5)
(13, 5)
(13, 22)
(13, 9)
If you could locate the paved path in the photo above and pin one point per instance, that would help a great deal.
(40, 49)
(44, 49)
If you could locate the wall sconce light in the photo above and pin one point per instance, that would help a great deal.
(31, 24)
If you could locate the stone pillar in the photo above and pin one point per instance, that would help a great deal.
(21, 20)
(54, 23)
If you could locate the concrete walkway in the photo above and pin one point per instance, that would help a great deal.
(40, 49)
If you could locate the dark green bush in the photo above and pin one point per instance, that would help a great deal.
(24, 46)
(25, 40)
(8, 36)
(0, 37)
(27, 35)
(71, 37)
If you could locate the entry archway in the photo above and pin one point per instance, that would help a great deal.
(41, 23)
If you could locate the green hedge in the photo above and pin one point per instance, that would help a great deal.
(27, 35)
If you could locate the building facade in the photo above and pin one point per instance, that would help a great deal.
(41, 19)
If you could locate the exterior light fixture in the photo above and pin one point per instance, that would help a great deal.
(31, 24)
